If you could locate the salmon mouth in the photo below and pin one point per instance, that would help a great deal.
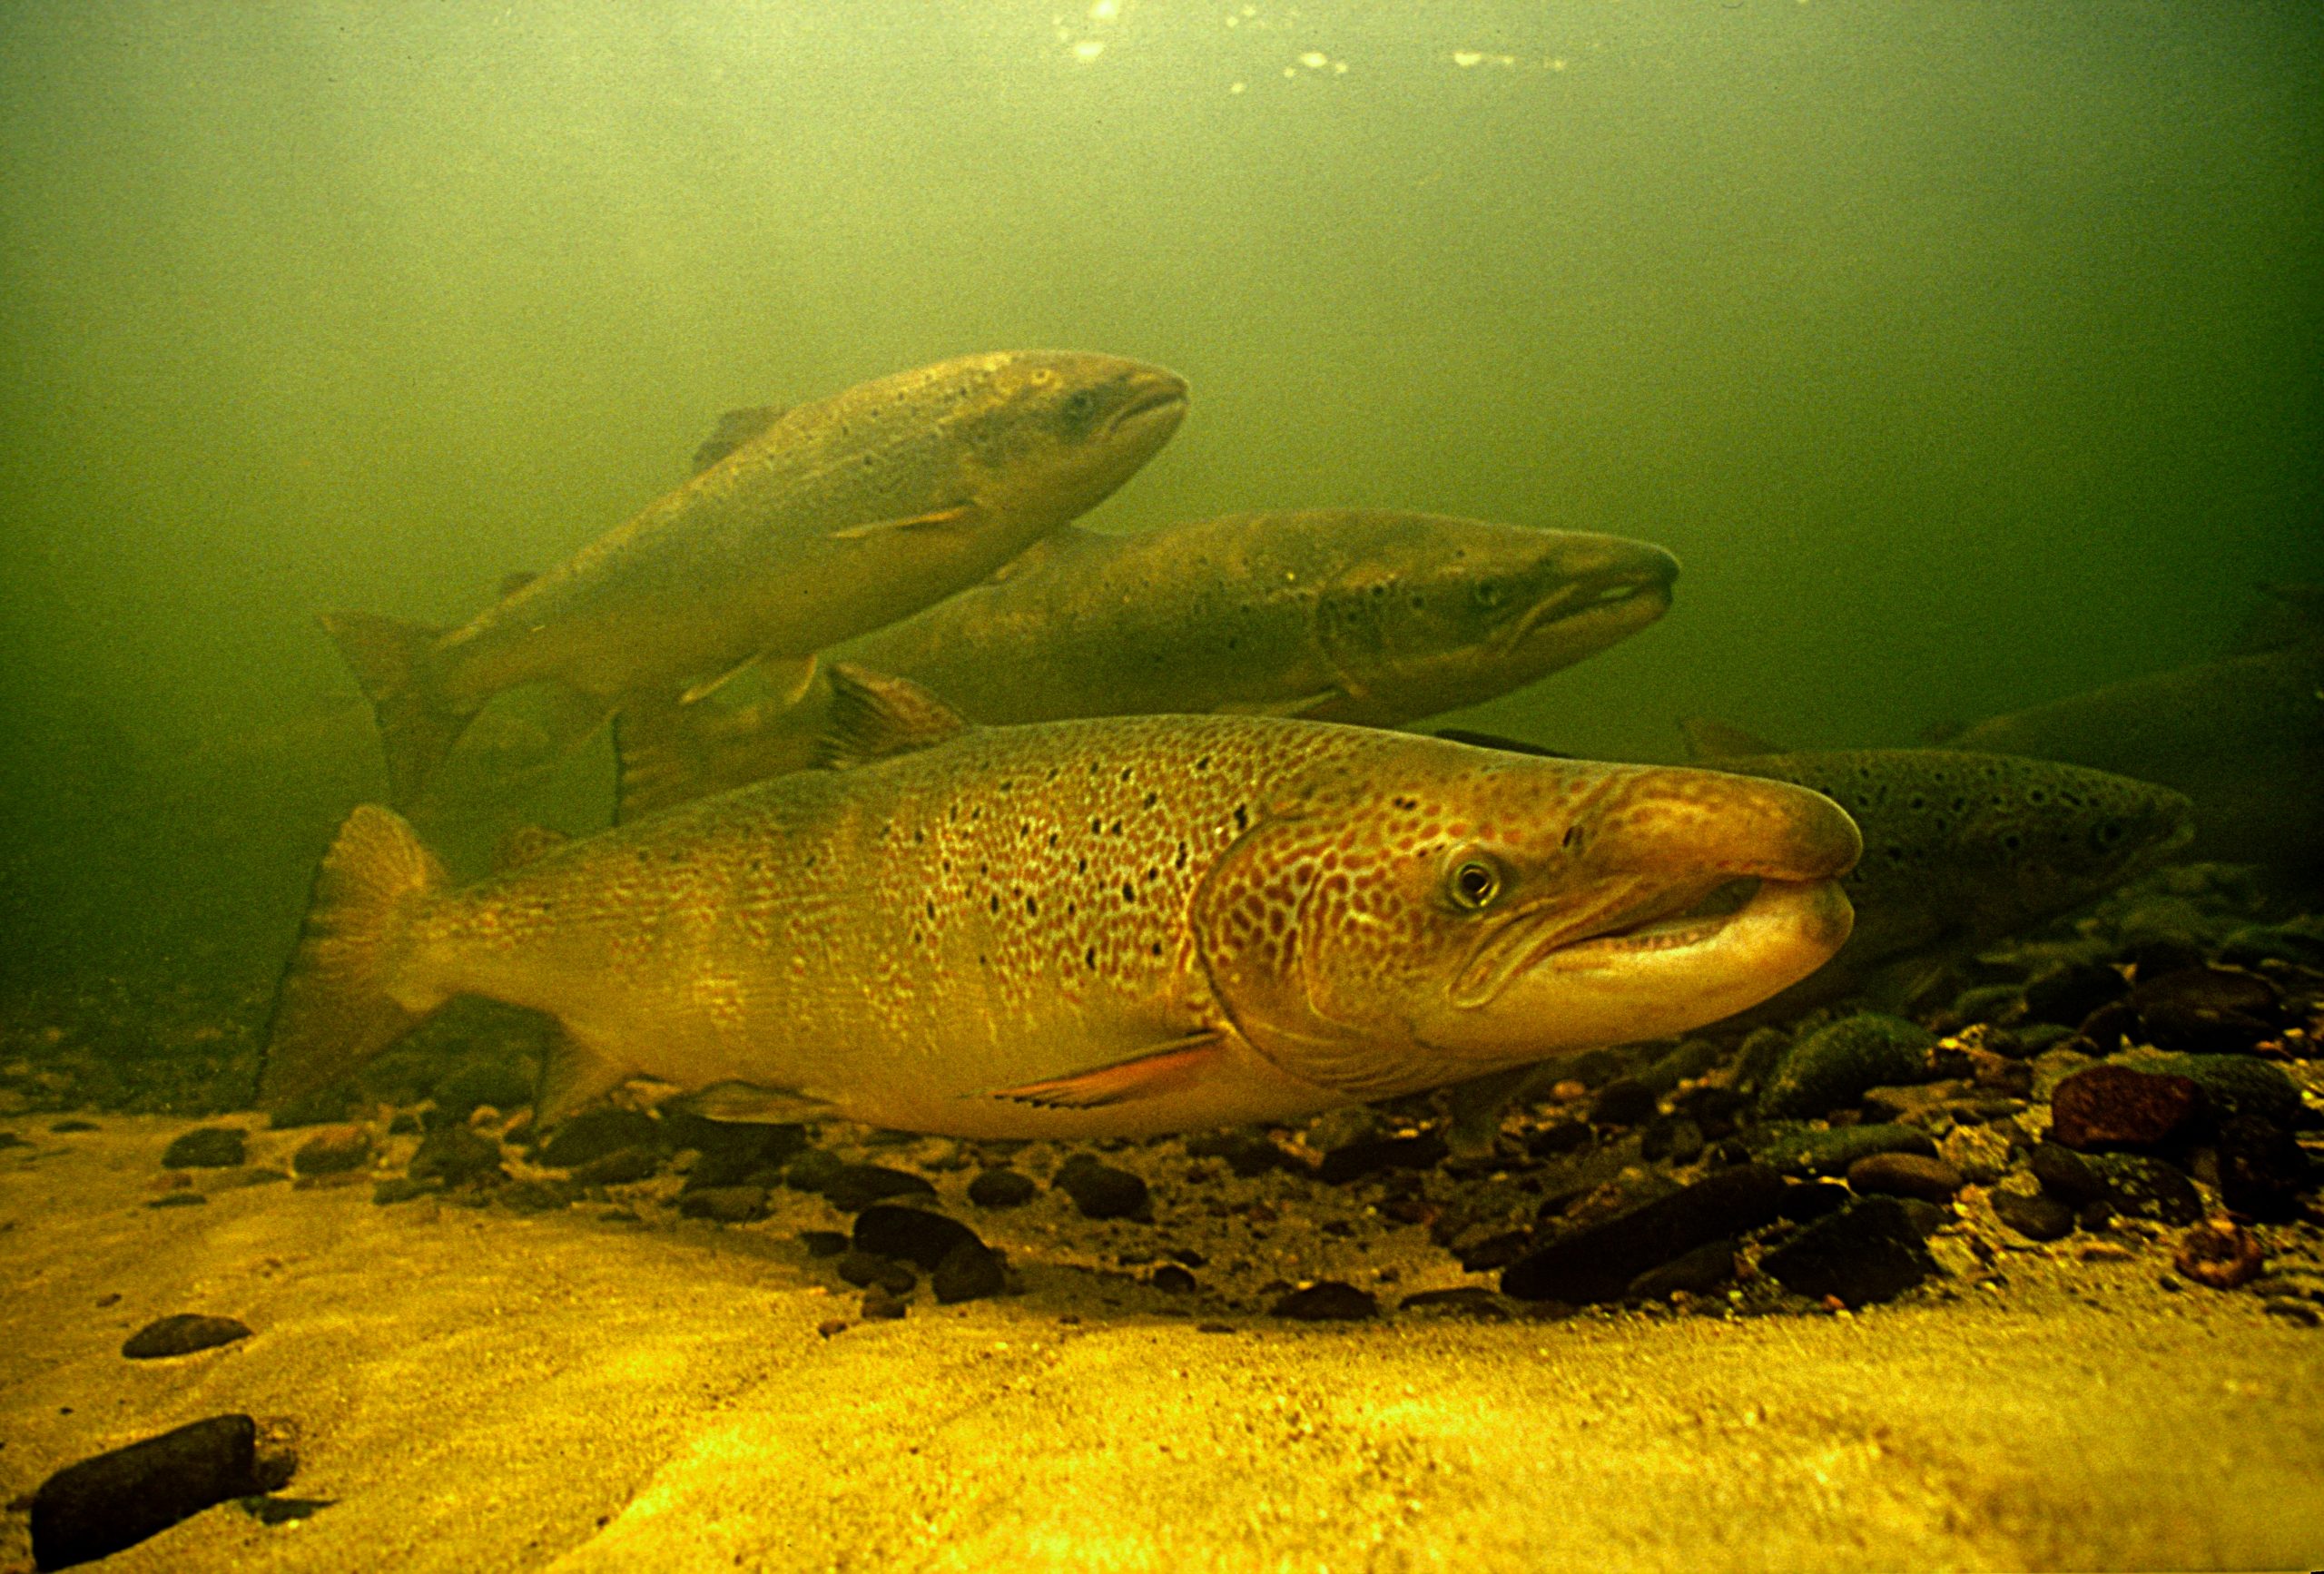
(1627, 925)
(1160, 400)
(1617, 601)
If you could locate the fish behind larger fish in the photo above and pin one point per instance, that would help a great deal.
(1372, 616)
(837, 517)
(1078, 929)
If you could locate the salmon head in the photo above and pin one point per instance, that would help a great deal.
(1050, 434)
(1443, 612)
(1424, 913)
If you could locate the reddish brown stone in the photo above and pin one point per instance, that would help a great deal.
(1906, 1175)
(2113, 1106)
(2220, 1253)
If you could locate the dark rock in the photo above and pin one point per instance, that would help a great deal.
(502, 1084)
(2263, 1169)
(2220, 1254)
(183, 1334)
(823, 1243)
(1833, 1066)
(595, 1134)
(454, 1155)
(880, 1306)
(1865, 1253)
(323, 1107)
(912, 1235)
(333, 1150)
(812, 1170)
(863, 1270)
(1803, 1150)
(1171, 1277)
(405, 1124)
(972, 1271)
(97, 1507)
(2107, 1029)
(2115, 1106)
(206, 1147)
(1494, 1251)
(2148, 1188)
(1625, 1101)
(1357, 1159)
(1598, 1261)
(537, 1196)
(1699, 1273)
(2033, 1040)
(728, 1152)
(1804, 1204)
(2234, 1084)
(856, 1186)
(403, 1189)
(1099, 1191)
(1002, 1188)
(1716, 1111)
(2066, 1174)
(1691, 1060)
(1555, 1141)
(1247, 1153)
(180, 1200)
(2036, 1217)
(1906, 1174)
(1327, 1301)
(1927, 1217)
(625, 1167)
(64, 1127)
(2208, 1010)
(1672, 1138)
(2065, 997)
(725, 1205)
(2159, 954)
(1467, 1300)
(2094, 1216)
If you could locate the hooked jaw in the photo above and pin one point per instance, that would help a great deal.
(1624, 587)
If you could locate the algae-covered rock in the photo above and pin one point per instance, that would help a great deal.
(454, 1155)
(206, 1147)
(1832, 1067)
(1869, 1251)
(1804, 1150)
(2232, 1085)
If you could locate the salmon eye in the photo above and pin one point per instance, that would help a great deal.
(1474, 884)
(1080, 403)
(1489, 594)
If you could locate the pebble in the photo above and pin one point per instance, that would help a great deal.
(812, 1170)
(880, 1306)
(595, 1134)
(625, 1166)
(1625, 1101)
(1867, 1252)
(403, 1189)
(1101, 1192)
(333, 1150)
(725, 1205)
(180, 1200)
(2148, 1188)
(453, 1154)
(115, 1499)
(730, 1153)
(537, 1196)
(64, 1127)
(854, 1187)
(1598, 1261)
(2113, 1106)
(2066, 1174)
(1832, 1067)
(971, 1271)
(206, 1147)
(1002, 1188)
(1494, 1251)
(1247, 1153)
(1327, 1301)
(2263, 1169)
(1465, 1301)
(2219, 1253)
(182, 1334)
(1804, 1150)
(912, 1235)
(823, 1243)
(1358, 1160)
(1697, 1273)
(863, 1270)
(2035, 1217)
(1171, 1277)
(1906, 1174)
(1809, 1202)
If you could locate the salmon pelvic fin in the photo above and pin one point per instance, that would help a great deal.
(335, 1011)
(418, 724)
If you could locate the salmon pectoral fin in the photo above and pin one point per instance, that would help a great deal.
(392, 662)
(1709, 738)
(575, 1074)
(959, 513)
(1148, 1075)
(749, 1104)
(873, 716)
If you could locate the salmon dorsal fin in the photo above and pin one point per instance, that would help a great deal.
(735, 429)
(1495, 741)
(1065, 540)
(873, 716)
(522, 844)
(511, 584)
(1711, 739)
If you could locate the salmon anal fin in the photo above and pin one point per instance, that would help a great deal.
(1147, 1077)
(952, 516)
(874, 716)
(749, 1104)
(1712, 739)
(573, 1076)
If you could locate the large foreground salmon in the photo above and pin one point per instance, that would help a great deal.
(833, 518)
(1375, 616)
(1082, 928)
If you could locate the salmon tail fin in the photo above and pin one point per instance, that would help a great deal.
(335, 1010)
(418, 726)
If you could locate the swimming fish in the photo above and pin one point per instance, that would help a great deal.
(1376, 617)
(1121, 926)
(2242, 737)
(836, 517)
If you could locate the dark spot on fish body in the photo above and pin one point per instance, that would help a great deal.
(1089, 956)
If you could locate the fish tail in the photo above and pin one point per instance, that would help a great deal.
(417, 723)
(335, 1010)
